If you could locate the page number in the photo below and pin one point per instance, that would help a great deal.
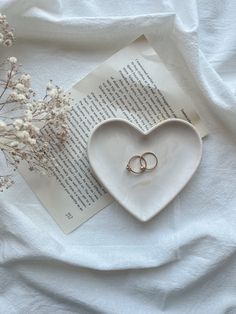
(69, 216)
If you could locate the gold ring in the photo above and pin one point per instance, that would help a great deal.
(143, 164)
(156, 160)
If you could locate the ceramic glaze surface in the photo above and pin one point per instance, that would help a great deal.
(177, 146)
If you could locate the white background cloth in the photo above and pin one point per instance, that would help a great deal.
(183, 260)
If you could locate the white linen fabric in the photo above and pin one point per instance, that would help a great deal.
(183, 260)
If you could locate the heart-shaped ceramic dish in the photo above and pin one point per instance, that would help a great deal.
(175, 142)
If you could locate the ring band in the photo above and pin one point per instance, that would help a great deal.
(143, 165)
(155, 157)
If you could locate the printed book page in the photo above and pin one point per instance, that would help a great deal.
(133, 84)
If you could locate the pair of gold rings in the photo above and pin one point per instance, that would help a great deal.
(143, 165)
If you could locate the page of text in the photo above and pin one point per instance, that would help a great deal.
(134, 85)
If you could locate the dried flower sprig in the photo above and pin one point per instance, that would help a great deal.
(6, 33)
(28, 124)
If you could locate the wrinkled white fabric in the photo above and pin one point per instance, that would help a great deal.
(183, 260)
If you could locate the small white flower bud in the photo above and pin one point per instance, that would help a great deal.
(20, 87)
(29, 106)
(3, 126)
(10, 34)
(12, 60)
(21, 97)
(8, 42)
(18, 123)
(28, 115)
(14, 144)
(32, 141)
(26, 125)
(23, 135)
(25, 77)
(50, 85)
(52, 92)
(36, 129)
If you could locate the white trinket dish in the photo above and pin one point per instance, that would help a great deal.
(175, 142)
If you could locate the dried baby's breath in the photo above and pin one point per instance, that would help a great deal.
(27, 124)
(6, 33)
